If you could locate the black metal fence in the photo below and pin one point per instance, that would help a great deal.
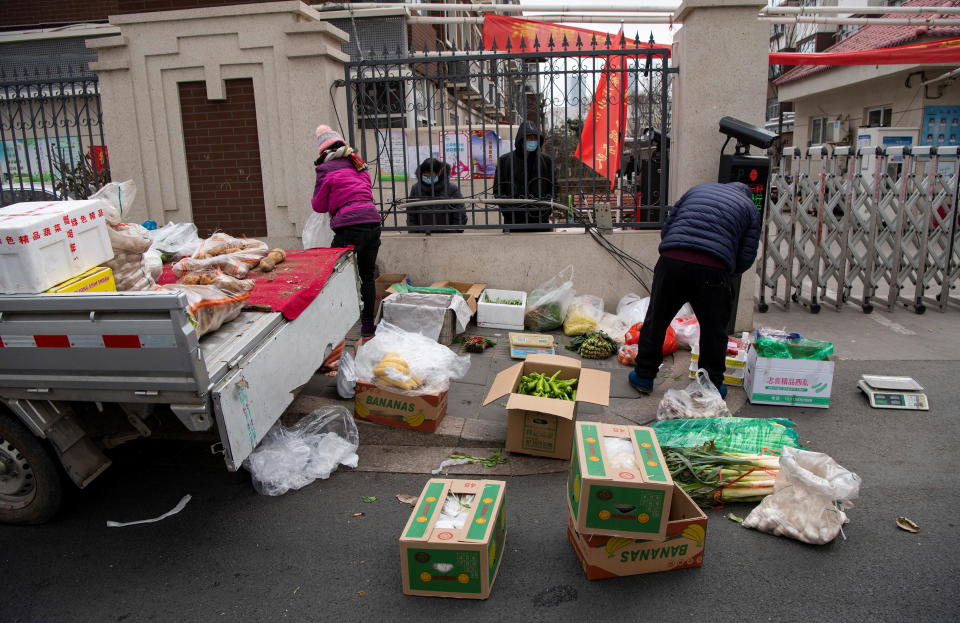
(51, 136)
(465, 108)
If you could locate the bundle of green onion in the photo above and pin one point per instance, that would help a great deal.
(712, 477)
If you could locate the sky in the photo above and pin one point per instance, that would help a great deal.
(661, 32)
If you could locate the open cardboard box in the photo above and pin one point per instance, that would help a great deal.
(471, 290)
(422, 412)
(788, 382)
(609, 497)
(448, 562)
(609, 557)
(544, 426)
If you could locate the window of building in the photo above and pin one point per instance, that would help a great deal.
(773, 108)
(807, 46)
(879, 117)
(818, 130)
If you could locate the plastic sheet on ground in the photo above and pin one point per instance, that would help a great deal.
(730, 434)
(293, 457)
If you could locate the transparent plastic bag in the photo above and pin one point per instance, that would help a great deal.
(175, 241)
(583, 315)
(547, 304)
(293, 457)
(234, 256)
(316, 231)
(346, 376)
(627, 355)
(614, 326)
(794, 348)
(119, 198)
(632, 308)
(408, 362)
(210, 306)
(699, 399)
(809, 498)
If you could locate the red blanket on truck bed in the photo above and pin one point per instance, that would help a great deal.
(292, 286)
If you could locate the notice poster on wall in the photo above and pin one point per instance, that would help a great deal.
(484, 151)
(392, 160)
(456, 146)
(941, 126)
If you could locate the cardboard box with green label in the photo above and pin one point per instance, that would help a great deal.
(544, 426)
(604, 556)
(471, 291)
(454, 562)
(605, 496)
(389, 407)
(788, 382)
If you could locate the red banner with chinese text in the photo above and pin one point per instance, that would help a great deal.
(601, 140)
(928, 53)
(500, 29)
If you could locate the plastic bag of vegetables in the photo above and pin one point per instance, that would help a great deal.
(809, 498)
(547, 304)
(699, 399)
(584, 314)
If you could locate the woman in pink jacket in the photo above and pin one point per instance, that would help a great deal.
(343, 190)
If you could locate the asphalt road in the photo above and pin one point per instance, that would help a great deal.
(234, 555)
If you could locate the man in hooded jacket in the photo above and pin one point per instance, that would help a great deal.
(433, 182)
(525, 173)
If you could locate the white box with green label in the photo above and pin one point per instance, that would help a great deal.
(788, 382)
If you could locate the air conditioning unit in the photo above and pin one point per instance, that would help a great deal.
(835, 132)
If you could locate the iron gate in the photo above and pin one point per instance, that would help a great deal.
(877, 226)
(51, 136)
(464, 108)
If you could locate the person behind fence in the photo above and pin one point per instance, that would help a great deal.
(433, 183)
(525, 173)
(708, 237)
(343, 189)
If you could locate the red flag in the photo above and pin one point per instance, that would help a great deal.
(929, 53)
(601, 141)
(501, 29)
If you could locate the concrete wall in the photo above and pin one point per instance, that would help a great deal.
(523, 261)
(848, 102)
(291, 55)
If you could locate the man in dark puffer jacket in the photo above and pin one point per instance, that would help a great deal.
(708, 237)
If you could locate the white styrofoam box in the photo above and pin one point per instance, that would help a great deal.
(43, 243)
(497, 316)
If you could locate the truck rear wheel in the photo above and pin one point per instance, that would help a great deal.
(30, 486)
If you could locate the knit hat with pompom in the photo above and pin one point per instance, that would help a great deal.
(326, 136)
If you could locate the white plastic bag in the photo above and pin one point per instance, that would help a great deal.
(547, 304)
(213, 305)
(614, 326)
(584, 314)
(175, 241)
(291, 458)
(432, 364)
(809, 498)
(316, 231)
(119, 198)
(632, 308)
(455, 512)
(130, 270)
(687, 330)
(699, 399)
(619, 452)
(346, 375)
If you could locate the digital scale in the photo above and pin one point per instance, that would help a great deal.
(893, 392)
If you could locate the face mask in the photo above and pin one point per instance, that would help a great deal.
(532, 145)
(428, 179)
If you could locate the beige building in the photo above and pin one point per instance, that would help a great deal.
(834, 105)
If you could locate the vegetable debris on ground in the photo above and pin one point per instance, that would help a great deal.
(487, 461)
(543, 386)
(474, 344)
(711, 477)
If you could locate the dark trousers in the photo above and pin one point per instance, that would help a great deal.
(709, 291)
(366, 240)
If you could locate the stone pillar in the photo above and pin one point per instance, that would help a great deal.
(721, 51)
(292, 57)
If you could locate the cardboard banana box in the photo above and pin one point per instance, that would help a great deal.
(604, 556)
(423, 412)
